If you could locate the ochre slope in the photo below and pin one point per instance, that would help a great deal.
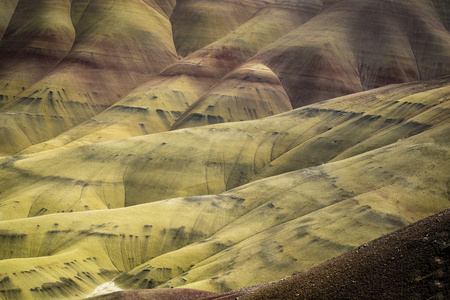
(153, 107)
(251, 91)
(7, 8)
(352, 46)
(311, 64)
(164, 7)
(89, 249)
(217, 158)
(39, 35)
(158, 103)
(334, 208)
(290, 222)
(197, 23)
(375, 127)
(409, 263)
(119, 44)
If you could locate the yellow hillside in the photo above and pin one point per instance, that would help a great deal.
(214, 145)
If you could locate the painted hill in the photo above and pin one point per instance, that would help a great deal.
(213, 242)
(414, 264)
(213, 146)
(352, 46)
(114, 47)
(332, 47)
(414, 260)
(184, 82)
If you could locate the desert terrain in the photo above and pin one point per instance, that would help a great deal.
(200, 149)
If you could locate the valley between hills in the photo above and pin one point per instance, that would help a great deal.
(199, 149)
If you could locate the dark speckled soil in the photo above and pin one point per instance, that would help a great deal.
(157, 294)
(411, 263)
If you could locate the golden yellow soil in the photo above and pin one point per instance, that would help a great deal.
(118, 45)
(38, 35)
(252, 91)
(351, 189)
(157, 104)
(124, 166)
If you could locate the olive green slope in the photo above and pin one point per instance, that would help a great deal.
(77, 10)
(330, 55)
(252, 91)
(113, 201)
(7, 8)
(119, 44)
(289, 222)
(386, 268)
(213, 159)
(268, 24)
(157, 104)
(164, 7)
(197, 23)
(58, 256)
(39, 35)
(375, 127)
(363, 198)
(352, 46)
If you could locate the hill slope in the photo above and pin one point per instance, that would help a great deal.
(414, 260)
(157, 104)
(318, 51)
(212, 242)
(118, 45)
(140, 149)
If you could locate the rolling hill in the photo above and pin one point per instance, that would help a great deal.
(214, 146)
(404, 254)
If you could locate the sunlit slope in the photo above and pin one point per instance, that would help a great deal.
(119, 44)
(153, 107)
(379, 200)
(78, 252)
(252, 91)
(156, 105)
(375, 127)
(346, 47)
(386, 268)
(38, 36)
(220, 157)
(352, 46)
(197, 23)
(290, 222)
